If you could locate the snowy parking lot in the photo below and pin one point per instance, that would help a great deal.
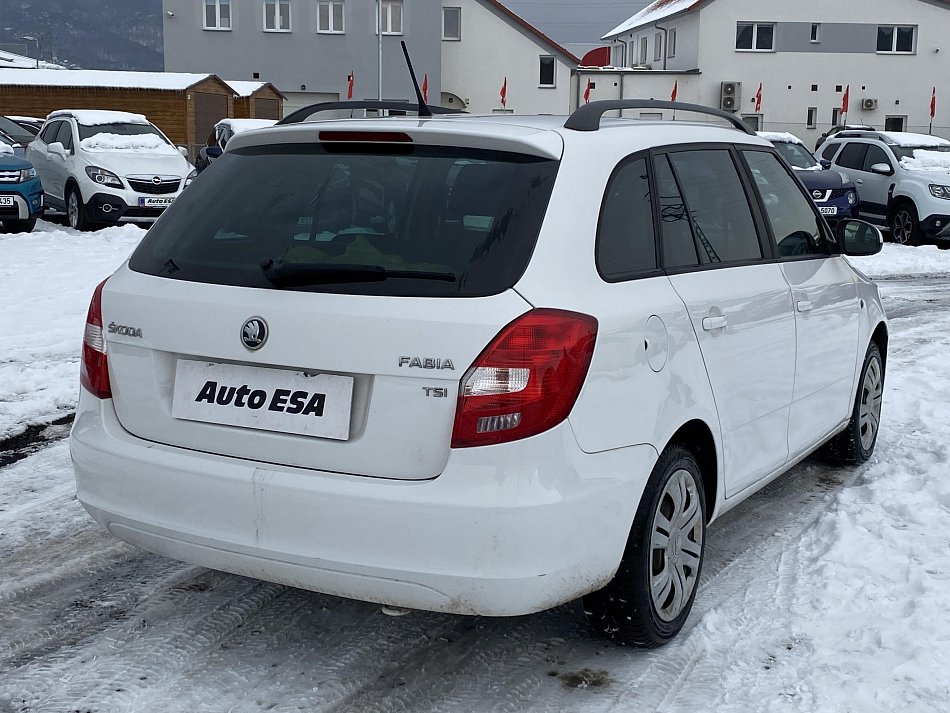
(827, 591)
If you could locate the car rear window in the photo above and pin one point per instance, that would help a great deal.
(381, 219)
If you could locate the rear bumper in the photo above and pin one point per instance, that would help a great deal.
(545, 529)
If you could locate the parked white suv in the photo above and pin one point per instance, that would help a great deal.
(903, 180)
(479, 365)
(105, 167)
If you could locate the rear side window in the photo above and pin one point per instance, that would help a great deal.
(679, 250)
(795, 226)
(626, 244)
(718, 207)
(852, 156)
(381, 219)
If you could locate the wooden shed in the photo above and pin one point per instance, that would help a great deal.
(256, 100)
(184, 106)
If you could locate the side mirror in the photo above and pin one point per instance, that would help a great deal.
(183, 151)
(883, 169)
(825, 163)
(213, 152)
(57, 148)
(858, 238)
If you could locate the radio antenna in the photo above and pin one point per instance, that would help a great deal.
(423, 108)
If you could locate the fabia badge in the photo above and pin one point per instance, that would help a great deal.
(254, 333)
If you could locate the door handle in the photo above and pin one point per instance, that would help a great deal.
(805, 306)
(711, 324)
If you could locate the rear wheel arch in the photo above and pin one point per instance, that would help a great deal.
(696, 437)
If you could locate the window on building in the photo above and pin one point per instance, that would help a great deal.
(753, 121)
(895, 38)
(835, 116)
(816, 32)
(755, 36)
(657, 46)
(546, 77)
(616, 54)
(625, 241)
(277, 15)
(451, 23)
(643, 50)
(895, 123)
(392, 17)
(671, 43)
(217, 14)
(811, 117)
(330, 16)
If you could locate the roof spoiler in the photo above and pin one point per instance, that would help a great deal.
(302, 115)
(587, 117)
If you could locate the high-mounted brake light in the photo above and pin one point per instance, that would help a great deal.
(94, 371)
(381, 137)
(527, 379)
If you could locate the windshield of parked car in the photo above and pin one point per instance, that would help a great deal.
(796, 155)
(119, 129)
(382, 219)
(901, 152)
(15, 131)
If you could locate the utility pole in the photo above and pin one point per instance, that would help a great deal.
(379, 48)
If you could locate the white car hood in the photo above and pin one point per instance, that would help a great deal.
(138, 163)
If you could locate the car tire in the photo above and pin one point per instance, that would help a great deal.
(905, 224)
(855, 444)
(649, 599)
(19, 226)
(76, 214)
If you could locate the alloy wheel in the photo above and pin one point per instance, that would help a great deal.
(903, 226)
(72, 210)
(676, 546)
(869, 416)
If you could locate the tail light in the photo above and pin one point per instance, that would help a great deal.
(526, 380)
(94, 372)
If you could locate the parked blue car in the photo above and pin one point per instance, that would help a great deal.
(21, 194)
(835, 197)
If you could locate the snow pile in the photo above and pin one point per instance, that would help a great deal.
(48, 277)
(924, 160)
(908, 139)
(904, 260)
(5, 148)
(140, 143)
(99, 117)
(239, 126)
(782, 137)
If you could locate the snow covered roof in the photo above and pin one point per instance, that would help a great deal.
(239, 126)
(98, 117)
(244, 89)
(904, 138)
(175, 81)
(924, 160)
(782, 137)
(12, 60)
(654, 12)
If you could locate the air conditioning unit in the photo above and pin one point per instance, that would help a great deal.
(730, 95)
(869, 104)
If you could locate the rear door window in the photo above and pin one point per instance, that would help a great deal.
(852, 156)
(382, 219)
(626, 245)
(718, 207)
(679, 249)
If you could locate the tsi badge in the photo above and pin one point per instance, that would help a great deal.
(254, 333)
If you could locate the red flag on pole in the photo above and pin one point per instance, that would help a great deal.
(587, 93)
(350, 81)
(676, 86)
(425, 89)
(933, 103)
(845, 100)
(504, 94)
(758, 99)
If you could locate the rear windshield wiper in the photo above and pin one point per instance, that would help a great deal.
(302, 274)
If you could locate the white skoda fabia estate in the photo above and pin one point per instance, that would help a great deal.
(479, 365)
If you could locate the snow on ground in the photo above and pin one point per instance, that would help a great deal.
(896, 260)
(48, 277)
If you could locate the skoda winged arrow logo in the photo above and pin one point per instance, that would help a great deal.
(254, 333)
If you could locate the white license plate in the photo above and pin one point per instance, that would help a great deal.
(268, 399)
(6, 200)
(155, 202)
(828, 210)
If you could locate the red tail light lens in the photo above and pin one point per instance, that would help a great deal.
(94, 372)
(527, 380)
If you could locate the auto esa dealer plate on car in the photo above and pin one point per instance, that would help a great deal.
(268, 399)
(155, 202)
(828, 210)
(6, 200)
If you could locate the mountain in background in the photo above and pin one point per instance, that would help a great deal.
(91, 34)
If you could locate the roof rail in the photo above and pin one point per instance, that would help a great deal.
(587, 117)
(302, 115)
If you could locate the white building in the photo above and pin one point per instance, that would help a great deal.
(805, 54)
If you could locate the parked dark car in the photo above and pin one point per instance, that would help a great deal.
(16, 132)
(30, 123)
(835, 129)
(835, 197)
(223, 131)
